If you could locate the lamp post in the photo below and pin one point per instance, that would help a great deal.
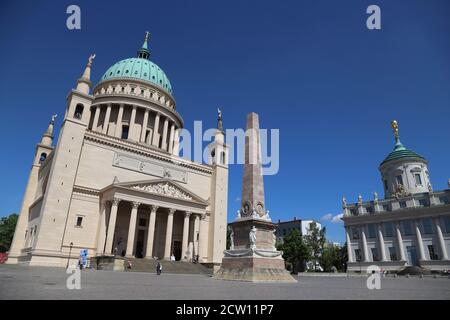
(70, 251)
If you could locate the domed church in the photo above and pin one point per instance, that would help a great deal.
(114, 183)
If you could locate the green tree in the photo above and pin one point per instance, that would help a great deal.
(7, 228)
(331, 257)
(295, 251)
(315, 240)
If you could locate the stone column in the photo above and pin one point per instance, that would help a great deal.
(96, 117)
(400, 242)
(155, 141)
(437, 223)
(184, 245)
(176, 143)
(419, 241)
(202, 248)
(132, 125)
(107, 116)
(164, 137)
(169, 229)
(144, 126)
(349, 245)
(132, 229)
(111, 226)
(381, 243)
(364, 243)
(118, 132)
(151, 232)
(196, 232)
(102, 229)
(172, 132)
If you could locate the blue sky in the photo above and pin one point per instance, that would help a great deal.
(310, 68)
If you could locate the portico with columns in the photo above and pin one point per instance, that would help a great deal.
(149, 219)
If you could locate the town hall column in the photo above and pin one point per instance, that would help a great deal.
(381, 243)
(364, 244)
(349, 245)
(132, 229)
(400, 242)
(111, 226)
(444, 255)
(187, 214)
(151, 232)
(419, 241)
(169, 229)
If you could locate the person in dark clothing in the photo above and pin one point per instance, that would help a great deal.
(158, 268)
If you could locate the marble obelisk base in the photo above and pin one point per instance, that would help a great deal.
(261, 264)
(253, 269)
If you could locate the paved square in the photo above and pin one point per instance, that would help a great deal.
(50, 283)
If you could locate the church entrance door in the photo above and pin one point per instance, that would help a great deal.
(140, 244)
(177, 250)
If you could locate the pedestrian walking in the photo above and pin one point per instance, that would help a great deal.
(158, 268)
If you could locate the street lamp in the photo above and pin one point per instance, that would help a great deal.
(70, 251)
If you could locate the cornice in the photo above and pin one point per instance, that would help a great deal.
(86, 190)
(400, 214)
(147, 151)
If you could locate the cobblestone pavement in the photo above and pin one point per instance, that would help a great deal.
(50, 283)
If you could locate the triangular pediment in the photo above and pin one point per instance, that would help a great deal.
(162, 187)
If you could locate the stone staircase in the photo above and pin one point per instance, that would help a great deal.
(149, 265)
(413, 271)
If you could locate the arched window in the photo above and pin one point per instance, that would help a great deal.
(42, 157)
(78, 111)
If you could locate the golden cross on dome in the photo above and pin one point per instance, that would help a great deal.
(394, 125)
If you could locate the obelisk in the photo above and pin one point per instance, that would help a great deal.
(253, 186)
(253, 256)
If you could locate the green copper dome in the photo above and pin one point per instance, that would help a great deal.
(140, 68)
(401, 152)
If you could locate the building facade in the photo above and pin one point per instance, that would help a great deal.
(284, 228)
(409, 227)
(115, 184)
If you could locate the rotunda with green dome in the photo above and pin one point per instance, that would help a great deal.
(404, 171)
(133, 101)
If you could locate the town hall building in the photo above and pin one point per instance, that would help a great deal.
(114, 183)
(409, 227)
